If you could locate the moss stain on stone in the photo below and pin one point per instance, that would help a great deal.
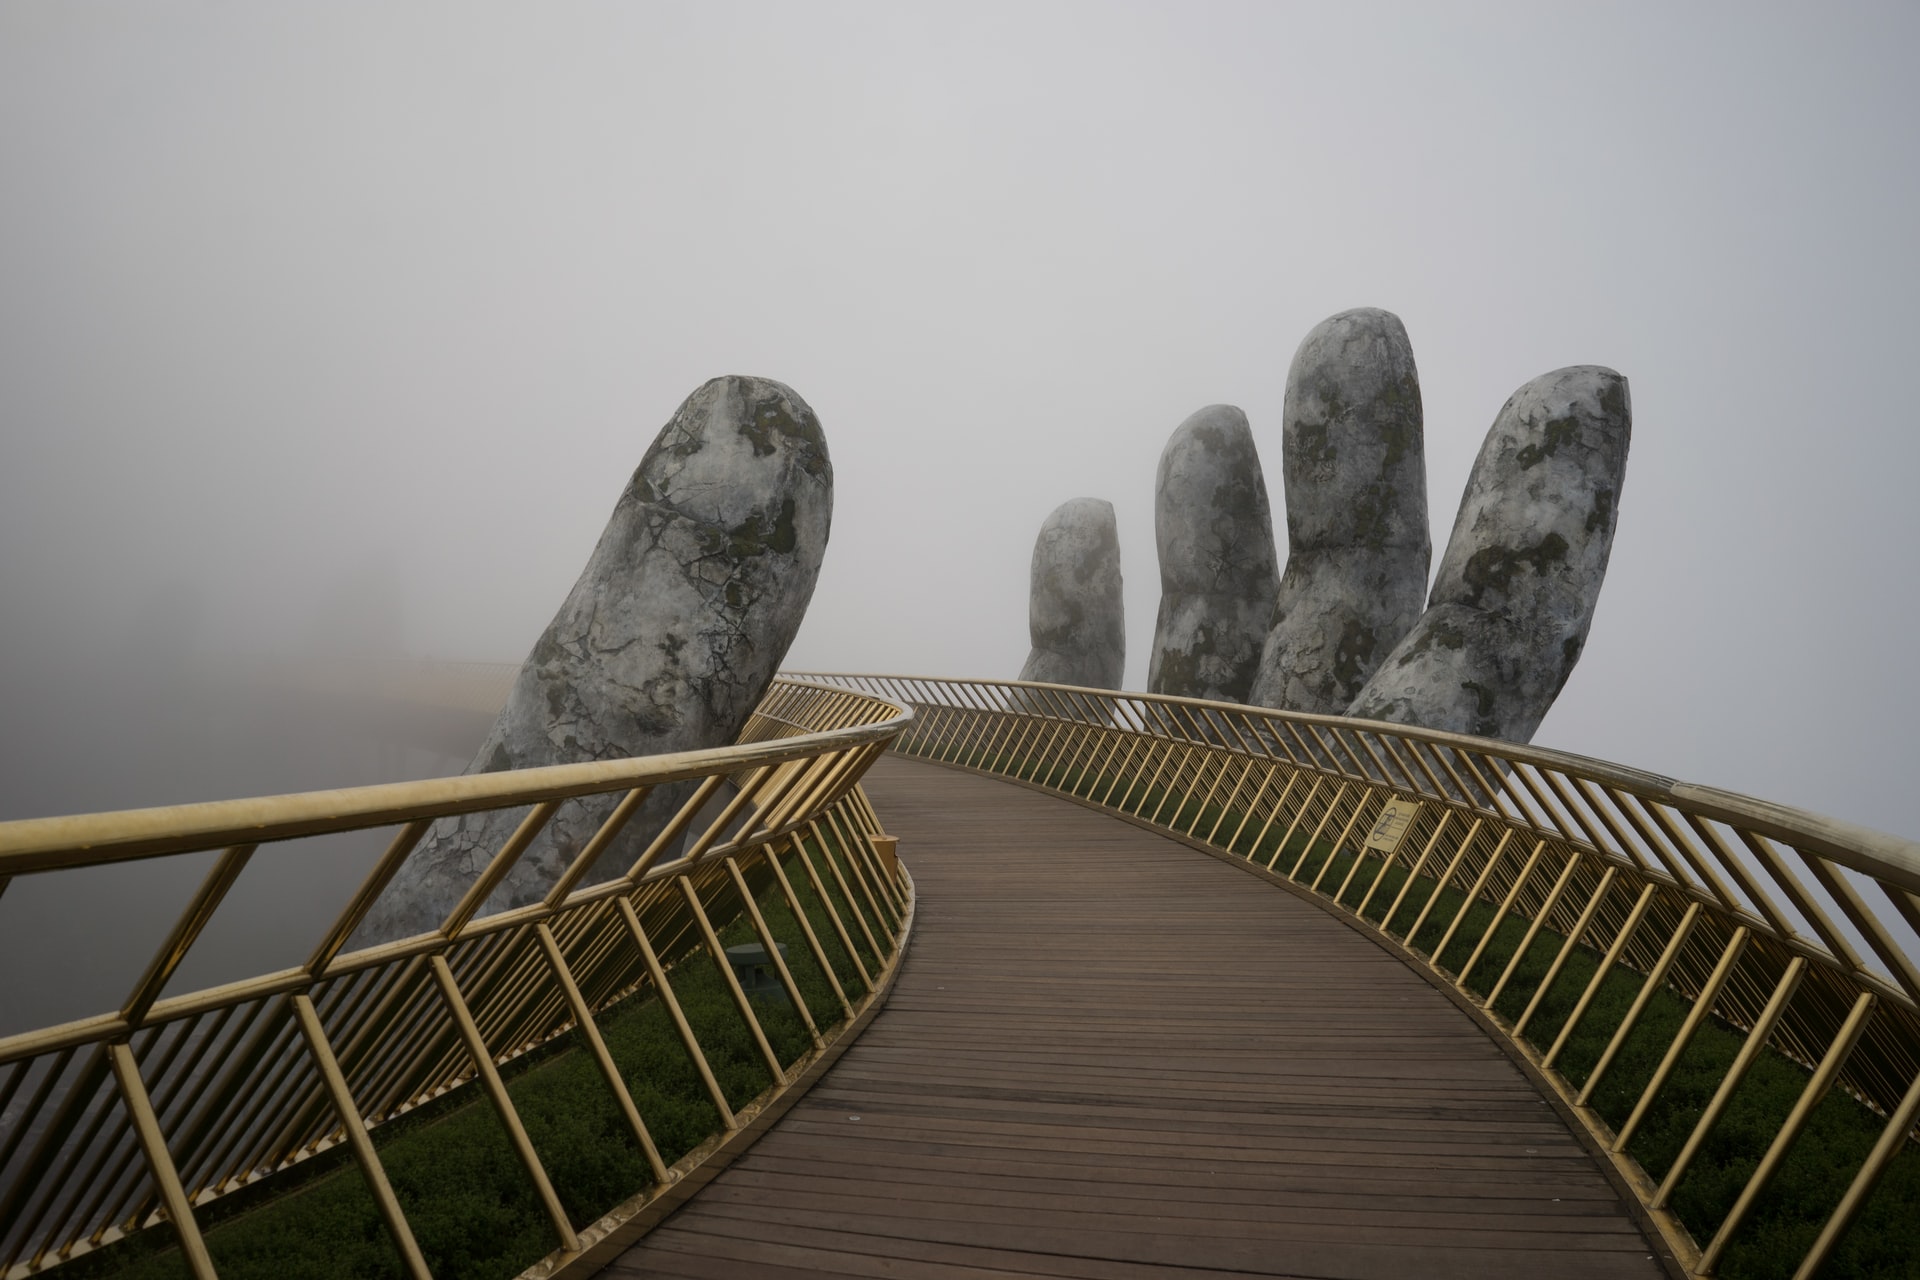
(1493, 568)
(1557, 432)
(1485, 725)
(1399, 406)
(756, 535)
(1441, 635)
(1613, 398)
(1601, 517)
(767, 419)
(1373, 509)
(1353, 657)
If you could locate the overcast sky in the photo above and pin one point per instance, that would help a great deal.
(297, 296)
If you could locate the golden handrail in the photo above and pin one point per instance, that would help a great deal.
(231, 1084)
(1693, 887)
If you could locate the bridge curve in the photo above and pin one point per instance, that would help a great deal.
(1110, 1055)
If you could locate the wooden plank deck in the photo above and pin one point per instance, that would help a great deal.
(1111, 1056)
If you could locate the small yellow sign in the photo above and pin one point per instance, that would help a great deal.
(1395, 820)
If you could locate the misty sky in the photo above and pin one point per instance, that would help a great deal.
(299, 297)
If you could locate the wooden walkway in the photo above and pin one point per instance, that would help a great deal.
(1111, 1056)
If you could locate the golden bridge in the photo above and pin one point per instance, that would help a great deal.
(986, 979)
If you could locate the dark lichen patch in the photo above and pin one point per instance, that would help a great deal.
(1557, 432)
(1484, 722)
(1442, 634)
(1373, 510)
(1178, 674)
(784, 538)
(768, 420)
(1569, 655)
(1239, 503)
(1310, 446)
(499, 761)
(1601, 516)
(1203, 669)
(1613, 398)
(1353, 656)
(1493, 568)
(1213, 437)
(1064, 637)
(1399, 403)
(757, 535)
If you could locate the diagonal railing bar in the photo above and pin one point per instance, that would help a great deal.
(130, 1120)
(1793, 931)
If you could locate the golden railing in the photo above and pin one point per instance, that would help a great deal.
(118, 1122)
(1692, 887)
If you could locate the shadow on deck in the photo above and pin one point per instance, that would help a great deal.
(1109, 1055)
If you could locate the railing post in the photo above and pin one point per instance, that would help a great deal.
(356, 1130)
(502, 1104)
(146, 1126)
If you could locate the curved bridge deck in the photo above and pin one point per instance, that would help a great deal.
(1109, 1055)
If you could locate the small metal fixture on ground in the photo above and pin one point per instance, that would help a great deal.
(756, 972)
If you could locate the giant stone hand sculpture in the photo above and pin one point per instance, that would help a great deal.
(1354, 461)
(1515, 595)
(666, 643)
(1517, 588)
(1217, 576)
(1074, 612)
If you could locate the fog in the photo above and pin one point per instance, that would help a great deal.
(336, 329)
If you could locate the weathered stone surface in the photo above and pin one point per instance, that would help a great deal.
(1354, 459)
(1218, 570)
(1074, 612)
(1517, 588)
(666, 642)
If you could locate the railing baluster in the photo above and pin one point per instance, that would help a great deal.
(849, 851)
(1293, 822)
(1539, 921)
(186, 931)
(1413, 872)
(663, 991)
(1749, 1051)
(1892, 1141)
(833, 913)
(1469, 899)
(1702, 1007)
(1607, 962)
(806, 928)
(363, 1153)
(1499, 913)
(133, 1095)
(1655, 977)
(590, 1031)
(1855, 909)
(719, 954)
(1816, 1088)
(1360, 803)
(771, 946)
(502, 1104)
(1440, 888)
(1574, 937)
